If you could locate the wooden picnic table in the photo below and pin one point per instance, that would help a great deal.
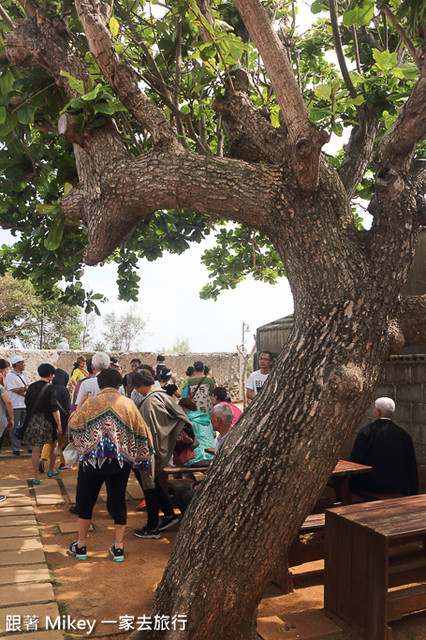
(360, 570)
(340, 477)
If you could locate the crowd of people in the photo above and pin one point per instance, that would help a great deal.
(138, 422)
(143, 421)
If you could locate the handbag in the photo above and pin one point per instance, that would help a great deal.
(70, 454)
(184, 446)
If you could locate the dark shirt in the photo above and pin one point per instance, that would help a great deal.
(389, 450)
(169, 388)
(47, 403)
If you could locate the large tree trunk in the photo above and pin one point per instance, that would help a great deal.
(268, 474)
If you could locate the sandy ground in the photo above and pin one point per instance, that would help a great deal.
(103, 590)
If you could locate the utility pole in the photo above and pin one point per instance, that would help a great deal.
(245, 328)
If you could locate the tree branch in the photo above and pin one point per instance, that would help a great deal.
(401, 32)
(413, 320)
(306, 140)
(359, 149)
(397, 144)
(133, 190)
(121, 77)
(6, 18)
(332, 5)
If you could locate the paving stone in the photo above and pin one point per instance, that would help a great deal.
(18, 501)
(15, 492)
(30, 556)
(70, 527)
(17, 520)
(12, 595)
(25, 531)
(21, 544)
(305, 625)
(42, 635)
(6, 510)
(26, 573)
(13, 483)
(41, 610)
(48, 492)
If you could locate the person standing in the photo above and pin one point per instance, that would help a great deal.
(78, 374)
(111, 437)
(6, 413)
(258, 378)
(389, 449)
(42, 420)
(17, 383)
(165, 420)
(200, 388)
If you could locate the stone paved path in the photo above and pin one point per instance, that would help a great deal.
(25, 583)
(26, 593)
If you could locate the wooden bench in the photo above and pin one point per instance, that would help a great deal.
(300, 552)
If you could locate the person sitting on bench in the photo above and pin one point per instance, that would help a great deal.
(389, 450)
(221, 417)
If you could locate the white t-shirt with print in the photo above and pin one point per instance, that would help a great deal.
(256, 381)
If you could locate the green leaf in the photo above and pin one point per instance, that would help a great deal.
(323, 91)
(385, 60)
(316, 114)
(357, 101)
(114, 27)
(56, 232)
(26, 113)
(6, 83)
(359, 13)
(104, 107)
(275, 116)
(92, 94)
(3, 115)
(74, 83)
(410, 71)
(67, 188)
(45, 208)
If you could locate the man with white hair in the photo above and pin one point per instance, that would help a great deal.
(222, 418)
(389, 450)
(100, 362)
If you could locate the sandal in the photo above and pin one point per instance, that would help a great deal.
(51, 474)
(35, 480)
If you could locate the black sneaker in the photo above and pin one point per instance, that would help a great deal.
(41, 465)
(147, 533)
(117, 554)
(78, 552)
(73, 509)
(167, 521)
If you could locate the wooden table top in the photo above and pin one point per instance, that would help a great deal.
(392, 518)
(347, 468)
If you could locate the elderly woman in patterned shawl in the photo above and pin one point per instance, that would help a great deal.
(165, 419)
(111, 437)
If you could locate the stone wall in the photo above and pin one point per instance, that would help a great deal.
(225, 366)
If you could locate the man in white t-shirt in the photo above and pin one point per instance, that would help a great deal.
(17, 383)
(258, 378)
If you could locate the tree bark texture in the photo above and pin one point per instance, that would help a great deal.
(346, 284)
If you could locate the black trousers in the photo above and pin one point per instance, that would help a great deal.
(89, 483)
(156, 499)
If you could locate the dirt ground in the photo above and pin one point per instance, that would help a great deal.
(103, 590)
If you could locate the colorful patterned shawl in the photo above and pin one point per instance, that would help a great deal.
(110, 426)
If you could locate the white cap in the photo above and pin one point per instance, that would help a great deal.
(17, 359)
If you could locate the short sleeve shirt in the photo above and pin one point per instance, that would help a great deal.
(256, 381)
(13, 381)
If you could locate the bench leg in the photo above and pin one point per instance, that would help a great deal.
(283, 577)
